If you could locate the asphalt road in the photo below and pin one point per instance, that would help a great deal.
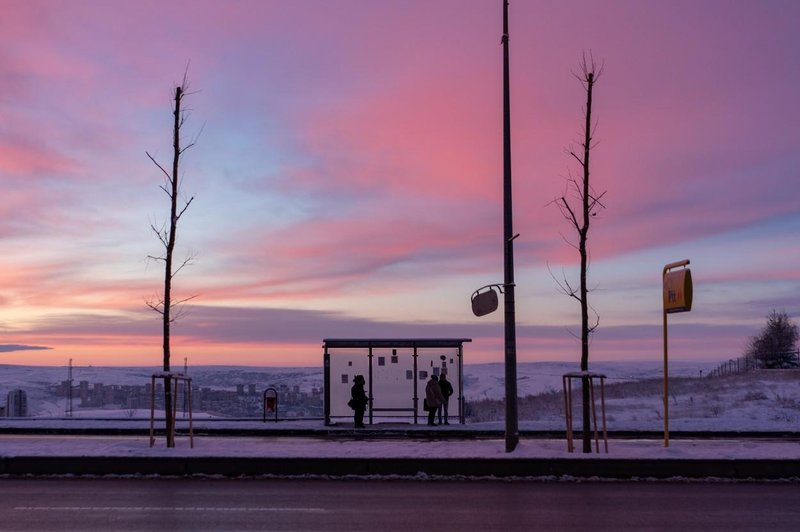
(146, 504)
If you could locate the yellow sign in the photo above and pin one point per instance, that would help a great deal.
(678, 291)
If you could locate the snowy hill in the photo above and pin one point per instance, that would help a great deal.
(481, 381)
(764, 400)
(486, 381)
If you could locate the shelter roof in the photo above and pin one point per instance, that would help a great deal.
(394, 342)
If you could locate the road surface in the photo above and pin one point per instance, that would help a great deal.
(146, 504)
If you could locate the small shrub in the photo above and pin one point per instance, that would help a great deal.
(755, 396)
(786, 402)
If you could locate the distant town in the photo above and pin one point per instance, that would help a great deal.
(245, 401)
(238, 391)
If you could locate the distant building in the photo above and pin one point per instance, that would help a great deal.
(84, 392)
(17, 405)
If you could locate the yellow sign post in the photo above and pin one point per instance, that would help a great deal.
(677, 297)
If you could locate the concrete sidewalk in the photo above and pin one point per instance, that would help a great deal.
(361, 454)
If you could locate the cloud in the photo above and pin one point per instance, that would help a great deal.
(7, 348)
(26, 159)
(352, 158)
(233, 328)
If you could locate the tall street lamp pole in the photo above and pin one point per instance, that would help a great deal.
(512, 430)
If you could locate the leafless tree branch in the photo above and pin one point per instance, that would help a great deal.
(180, 310)
(157, 307)
(195, 138)
(169, 177)
(573, 154)
(187, 261)
(185, 207)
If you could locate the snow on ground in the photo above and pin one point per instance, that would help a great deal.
(480, 380)
(295, 447)
(486, 381)
(766, 400)
(756, 401)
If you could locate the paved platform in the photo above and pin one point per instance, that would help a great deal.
(361, 454)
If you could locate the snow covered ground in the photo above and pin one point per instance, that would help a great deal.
(481, 381)
(756, 401)
(294, 447)
(765, 400)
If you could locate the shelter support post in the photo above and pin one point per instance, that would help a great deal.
(326, 384)
(369, 391)
(416, 387)
(460, 384)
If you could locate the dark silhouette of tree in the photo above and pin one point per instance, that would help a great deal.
(579, 204)
(165, 306)
(775, 347)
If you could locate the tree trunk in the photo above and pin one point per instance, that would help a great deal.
(167, 235)
(173, 226)
(585, 330)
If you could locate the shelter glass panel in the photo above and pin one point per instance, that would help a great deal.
(438, 361)
(392, 392)
(346, 364)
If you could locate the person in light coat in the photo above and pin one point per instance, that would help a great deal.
(433, 397)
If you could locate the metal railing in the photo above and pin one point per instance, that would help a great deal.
(747, 363)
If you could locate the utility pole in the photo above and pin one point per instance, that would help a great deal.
(69, 389)
(512, 430)
(185, 384)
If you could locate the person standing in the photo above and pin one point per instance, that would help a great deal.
(358, 401)
(447, 391)
(433, 397)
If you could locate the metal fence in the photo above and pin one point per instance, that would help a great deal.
(747, 363)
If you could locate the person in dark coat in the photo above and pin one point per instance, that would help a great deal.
(358, 401)
(447, 391)
(433, 397)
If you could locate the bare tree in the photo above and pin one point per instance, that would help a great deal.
(579, 204)
(165, 306)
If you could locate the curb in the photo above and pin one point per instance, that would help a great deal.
(388, 433)
(479, 468)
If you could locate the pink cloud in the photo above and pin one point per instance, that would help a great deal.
(317, 257)
(377, 130)
(292, 337)
(24, 159)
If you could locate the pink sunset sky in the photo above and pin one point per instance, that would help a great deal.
(348, 178)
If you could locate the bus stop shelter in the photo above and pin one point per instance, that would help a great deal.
(396, 371)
